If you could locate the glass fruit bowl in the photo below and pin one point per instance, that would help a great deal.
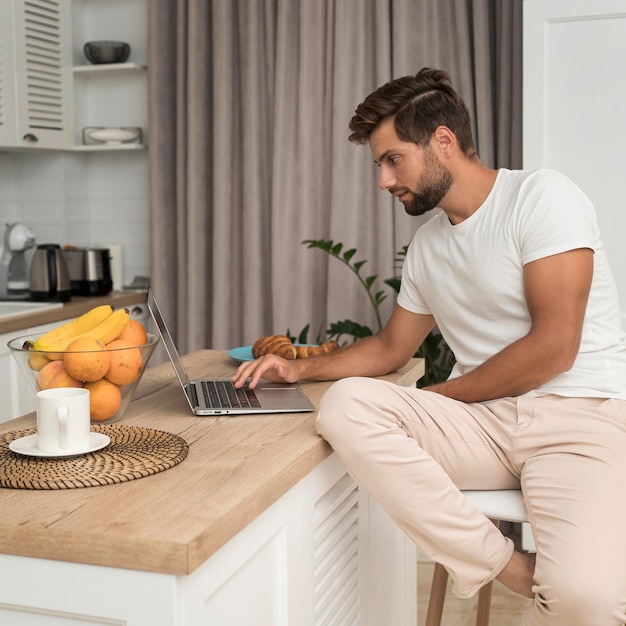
(111, 373)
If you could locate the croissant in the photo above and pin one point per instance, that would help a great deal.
(303, 352)
(279, 345)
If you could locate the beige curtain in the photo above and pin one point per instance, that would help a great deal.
(249, 108)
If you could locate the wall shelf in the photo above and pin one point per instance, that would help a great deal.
(104, 147)
(110, 69)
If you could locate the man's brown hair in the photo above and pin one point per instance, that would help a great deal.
(418, 104)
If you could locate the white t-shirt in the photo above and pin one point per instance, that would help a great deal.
(469, 276)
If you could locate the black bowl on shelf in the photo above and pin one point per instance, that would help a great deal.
(98, 52)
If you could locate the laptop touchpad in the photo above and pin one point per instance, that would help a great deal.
(279, 395)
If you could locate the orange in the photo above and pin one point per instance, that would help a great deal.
(134, 332)
(104, 399)
(125, 362)
(86, 358)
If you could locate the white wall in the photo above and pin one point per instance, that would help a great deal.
(574, 94)
(83, 199)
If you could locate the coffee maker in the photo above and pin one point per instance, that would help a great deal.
(14, 272)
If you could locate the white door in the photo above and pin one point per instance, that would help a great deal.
(575, 103)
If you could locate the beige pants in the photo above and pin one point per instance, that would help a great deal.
(414, 450)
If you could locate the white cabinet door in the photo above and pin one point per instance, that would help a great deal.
(248, 581)
(43, 592)
(36, 97)
(10, 384)
(8, 116)
(574, 94)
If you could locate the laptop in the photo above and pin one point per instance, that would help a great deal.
(220, 397)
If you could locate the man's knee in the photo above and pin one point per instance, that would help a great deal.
(337, 406)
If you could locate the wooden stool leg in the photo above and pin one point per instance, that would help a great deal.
(437, 596)
(484, 605)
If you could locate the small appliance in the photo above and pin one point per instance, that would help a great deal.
(89, 270)
(49, 277)
(14, 282)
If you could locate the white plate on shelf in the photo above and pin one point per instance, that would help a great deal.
(244, 353)
(28, 446)
(113, 135)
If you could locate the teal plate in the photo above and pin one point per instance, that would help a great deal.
(241, 354)
(244, 353)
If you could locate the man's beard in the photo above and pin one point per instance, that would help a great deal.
(432, 186)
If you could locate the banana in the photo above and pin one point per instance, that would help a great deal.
(50, 341)
(108, 330)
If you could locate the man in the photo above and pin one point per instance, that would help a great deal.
(514, 274)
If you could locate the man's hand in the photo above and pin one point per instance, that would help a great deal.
(269, 367)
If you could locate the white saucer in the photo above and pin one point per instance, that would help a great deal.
(28, 446)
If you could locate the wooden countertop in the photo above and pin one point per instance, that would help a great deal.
(175, 520)
(75, 307)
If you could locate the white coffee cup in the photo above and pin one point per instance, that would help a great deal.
(63, 420)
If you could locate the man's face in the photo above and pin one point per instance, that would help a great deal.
(411, 173)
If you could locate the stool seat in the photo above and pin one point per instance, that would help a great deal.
(506, 505)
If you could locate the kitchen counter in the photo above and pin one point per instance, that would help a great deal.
(251, 512)
(75, 307)
(173, 521)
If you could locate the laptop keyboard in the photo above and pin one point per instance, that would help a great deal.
(223, 394)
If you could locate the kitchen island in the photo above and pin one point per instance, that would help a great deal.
(259, 525)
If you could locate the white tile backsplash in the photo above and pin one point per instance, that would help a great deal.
(49, 210)
(78, 233)
(9, 209)
(75, 165)
(76, 186)
(47, 233)
(82, 199)
(9, 179)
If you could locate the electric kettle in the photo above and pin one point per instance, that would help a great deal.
(49, 276)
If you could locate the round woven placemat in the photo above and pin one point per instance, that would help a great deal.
(133, 453)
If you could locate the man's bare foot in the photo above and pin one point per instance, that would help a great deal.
(518, 574)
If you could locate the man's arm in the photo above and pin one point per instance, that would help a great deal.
(380, 354)
(556, 289)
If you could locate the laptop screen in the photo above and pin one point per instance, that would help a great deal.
(168, 342)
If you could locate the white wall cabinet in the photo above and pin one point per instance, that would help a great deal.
(36, 100)
(324, 553)
(48, 90)
(574, 94)
(10, 383)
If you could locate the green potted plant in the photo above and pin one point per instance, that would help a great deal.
(438, 357)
